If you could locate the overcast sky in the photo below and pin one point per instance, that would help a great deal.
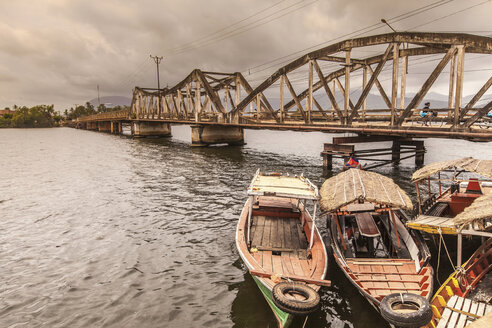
(58, 51)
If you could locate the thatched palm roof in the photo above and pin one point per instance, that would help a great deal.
(482, 167)
(355, 184)
(476, 213)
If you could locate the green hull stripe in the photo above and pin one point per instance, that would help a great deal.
(285, 318)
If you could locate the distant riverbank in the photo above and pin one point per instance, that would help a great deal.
(41, 116)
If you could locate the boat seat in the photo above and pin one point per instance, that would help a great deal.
(366, 224)
(437, 209)
(473, 187)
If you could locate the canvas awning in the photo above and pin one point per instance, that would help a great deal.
(470, 164)
(282, 186)
(354, 184)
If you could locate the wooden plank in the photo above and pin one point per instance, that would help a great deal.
(473, 309)
(481, 309)
(390, 269)
(447, 312)
(454, 317)
(318, 282)
(366, 263)
(258, 257)
(302, 237)
(286, 264)
(288, 243)
(266, 234)
(377, 268)
(275, 249)
(259, 222)
(305, 267)
(296, 265)
(267, 261)
(277, 264)
(407, 269)
(294, 235)
(275, 238)
(280, 232)
(462, 319)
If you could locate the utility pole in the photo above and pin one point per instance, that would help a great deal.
(98, 98)
(157, 61)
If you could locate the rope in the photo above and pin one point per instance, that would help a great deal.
(438, 259)
(441, 238)
(401, 296)
(304, 325)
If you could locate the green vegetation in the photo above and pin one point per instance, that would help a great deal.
(40, 116)
(44, 116)
(88, 109)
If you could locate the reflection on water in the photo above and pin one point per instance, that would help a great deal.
(102, 230)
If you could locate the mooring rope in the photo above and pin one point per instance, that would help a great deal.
(305, 320)
(441, 239)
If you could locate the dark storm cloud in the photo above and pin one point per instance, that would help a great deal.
(57, 51)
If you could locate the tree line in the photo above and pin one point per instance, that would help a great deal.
(89, 109)
(44, 116)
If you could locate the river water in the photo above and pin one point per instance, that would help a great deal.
(100, 230)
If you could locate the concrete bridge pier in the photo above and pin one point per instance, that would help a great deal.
(204, 135)
(151, 129)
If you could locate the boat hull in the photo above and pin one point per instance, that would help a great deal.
(317, 263)
(361, 280)
(284, 319)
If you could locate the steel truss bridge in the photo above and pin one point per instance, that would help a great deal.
(329, 90)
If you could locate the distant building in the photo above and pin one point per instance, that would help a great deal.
(6, 111)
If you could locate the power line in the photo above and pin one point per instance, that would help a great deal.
(358, 32)
(225, 28)
(244, 29)
(449, 15)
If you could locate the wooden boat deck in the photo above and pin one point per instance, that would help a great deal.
(281, 244)
(380, 277)
(282, 234)
(460, 312)
(279, 241)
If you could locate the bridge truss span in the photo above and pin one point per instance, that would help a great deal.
(372, 84)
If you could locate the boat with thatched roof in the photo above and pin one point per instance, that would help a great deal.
(387, 263)
(280, 245)
(463, 208)
(451, 187)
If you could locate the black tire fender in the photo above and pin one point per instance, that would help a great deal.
(295, 306)
(417, 311)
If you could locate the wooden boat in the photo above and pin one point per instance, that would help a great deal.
(387, 263)
(448, 202)
(467, 294)
(277, 239)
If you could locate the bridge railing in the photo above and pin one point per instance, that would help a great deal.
(108, 116)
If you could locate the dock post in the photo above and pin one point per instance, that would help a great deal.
(419, 152)
(327, 158)
(395, 151)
